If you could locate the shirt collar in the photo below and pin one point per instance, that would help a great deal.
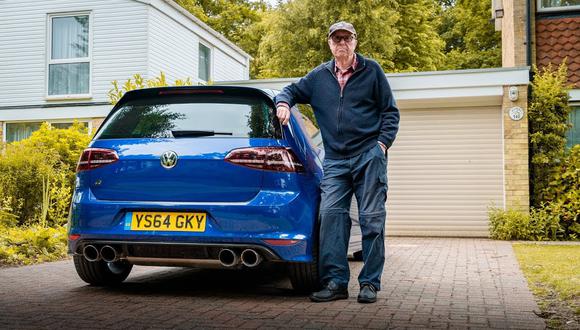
(353, 65)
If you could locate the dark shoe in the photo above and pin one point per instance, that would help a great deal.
(329, 293)
(367, 295)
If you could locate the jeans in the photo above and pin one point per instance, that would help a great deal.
(365, 175)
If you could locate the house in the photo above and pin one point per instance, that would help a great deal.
(540, 32)
(59, 57)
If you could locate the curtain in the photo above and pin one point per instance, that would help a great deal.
(559, 3)
(70, 37)
(20, 131)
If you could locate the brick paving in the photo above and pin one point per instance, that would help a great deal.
(438, 283)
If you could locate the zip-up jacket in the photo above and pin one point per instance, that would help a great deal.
(354, 120)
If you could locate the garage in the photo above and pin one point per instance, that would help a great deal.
(457, 152)
(444, 170)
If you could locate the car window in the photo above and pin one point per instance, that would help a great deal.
(186, 116)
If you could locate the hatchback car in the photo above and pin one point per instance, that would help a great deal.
(199, 176)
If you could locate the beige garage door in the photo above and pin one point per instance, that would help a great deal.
(445, 169)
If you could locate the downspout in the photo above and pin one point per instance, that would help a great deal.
(529, 33)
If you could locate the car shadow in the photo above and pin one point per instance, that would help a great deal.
(267, 280)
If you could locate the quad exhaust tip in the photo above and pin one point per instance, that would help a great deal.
(91, 253)
(251, 258)
(228, 258)
(109, 254)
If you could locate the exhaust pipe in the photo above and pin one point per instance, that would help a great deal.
(228, 258)
(91, 253)
(251, 258)
(109, 254)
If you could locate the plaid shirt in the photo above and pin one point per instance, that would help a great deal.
(344, 75)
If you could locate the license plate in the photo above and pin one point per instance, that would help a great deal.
(168, 221)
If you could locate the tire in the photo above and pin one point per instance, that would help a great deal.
(101, 273)
(304, 275)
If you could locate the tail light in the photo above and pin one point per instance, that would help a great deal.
(277, 159)
(96, 157)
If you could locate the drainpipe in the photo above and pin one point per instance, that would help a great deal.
(529, 34)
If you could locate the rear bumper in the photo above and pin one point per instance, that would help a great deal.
(271, 215)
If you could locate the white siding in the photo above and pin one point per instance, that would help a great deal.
(226, 68)
(119, 46)
(174, 53)
(174, 47)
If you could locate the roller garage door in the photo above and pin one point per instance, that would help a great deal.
(445, 169)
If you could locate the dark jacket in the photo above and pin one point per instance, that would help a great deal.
(351, 122)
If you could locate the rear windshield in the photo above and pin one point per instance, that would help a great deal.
(185, 116)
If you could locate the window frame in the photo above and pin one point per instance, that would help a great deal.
(49, 60)
(56, 121)
(210, 68)
(541, 9)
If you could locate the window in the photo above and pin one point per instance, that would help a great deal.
(194, 116)
(204, 63)
(69, 56)
(558, 5)
(573, 137)
(21, 131)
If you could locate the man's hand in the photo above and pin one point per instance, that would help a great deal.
(383, 148)
(283, 114)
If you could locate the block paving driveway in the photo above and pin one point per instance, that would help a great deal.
(427, 283)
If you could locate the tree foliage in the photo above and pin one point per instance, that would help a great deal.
(470, 38)
(399, 34)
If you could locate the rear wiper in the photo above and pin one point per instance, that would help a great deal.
(179, 134)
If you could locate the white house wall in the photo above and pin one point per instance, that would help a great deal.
(225, 67)
(174, 39)
(119, 46)
(172, 48)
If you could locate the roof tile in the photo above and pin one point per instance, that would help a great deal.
(558, 39)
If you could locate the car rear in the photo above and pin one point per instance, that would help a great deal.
(195, 176)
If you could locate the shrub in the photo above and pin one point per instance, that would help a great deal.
(563, 193)
(548, 123)
(68, 144)
(510, 224)
(37, 176)
(138, 82)
(26, 245)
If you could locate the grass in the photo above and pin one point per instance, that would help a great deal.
(553, 274)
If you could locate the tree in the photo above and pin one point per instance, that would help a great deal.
(470, 37)
(399, 34)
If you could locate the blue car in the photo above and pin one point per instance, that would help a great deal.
(200, 176)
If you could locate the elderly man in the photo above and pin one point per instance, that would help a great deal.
(358, 120)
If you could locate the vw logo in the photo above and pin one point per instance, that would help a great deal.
(169, 159)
